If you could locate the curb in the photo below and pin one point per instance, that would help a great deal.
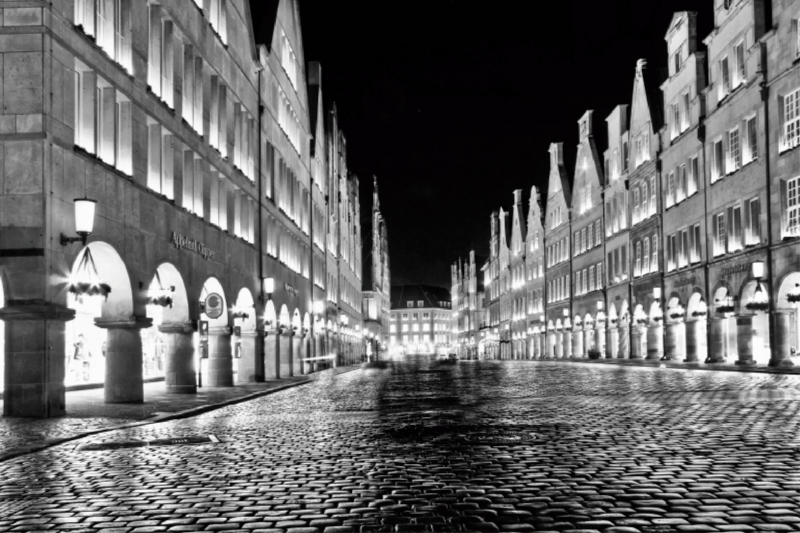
(642, 363)
(187, 413)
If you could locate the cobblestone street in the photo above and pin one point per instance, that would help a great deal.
(477, 446)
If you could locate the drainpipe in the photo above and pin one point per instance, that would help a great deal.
(701, 136)
(261, 110)
(770, 282)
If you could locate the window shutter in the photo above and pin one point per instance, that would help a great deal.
(729, 228)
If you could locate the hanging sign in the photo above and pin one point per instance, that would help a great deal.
(214, 305)
(291, 289)
(184, 242)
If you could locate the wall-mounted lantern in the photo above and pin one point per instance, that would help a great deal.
(84, 221)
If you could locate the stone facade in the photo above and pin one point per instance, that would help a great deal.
(467, 298)
(193, 142)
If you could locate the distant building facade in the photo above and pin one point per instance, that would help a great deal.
(421, 319)
(467, 301)
(377, 281)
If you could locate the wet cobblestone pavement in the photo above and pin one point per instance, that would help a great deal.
(478, 446)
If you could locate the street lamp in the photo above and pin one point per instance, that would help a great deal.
(760, 300)
(267, 288)
(84, 221)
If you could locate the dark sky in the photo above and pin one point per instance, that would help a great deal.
(453, 105)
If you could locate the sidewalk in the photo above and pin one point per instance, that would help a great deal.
(724, 367)
(88, 414)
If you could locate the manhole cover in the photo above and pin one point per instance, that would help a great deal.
(116, 445)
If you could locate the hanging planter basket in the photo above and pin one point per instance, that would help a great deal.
(699, 314)
(794, 297)
(240, 314)
(757, 306)
(724, 309)
(87, 280)
(676, 315)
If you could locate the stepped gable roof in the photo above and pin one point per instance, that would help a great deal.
(430, 296)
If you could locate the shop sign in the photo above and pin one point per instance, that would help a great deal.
(684, 281)
(291, 289)
(214, 305)
(193, 245)
(735, 269)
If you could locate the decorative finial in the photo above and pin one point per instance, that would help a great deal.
(641, 64)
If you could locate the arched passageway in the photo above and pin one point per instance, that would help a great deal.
(215, 346)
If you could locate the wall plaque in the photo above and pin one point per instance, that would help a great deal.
(735, 269)
(184, 242)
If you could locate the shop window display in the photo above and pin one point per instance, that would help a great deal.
(85, 343)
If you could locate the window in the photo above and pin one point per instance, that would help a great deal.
(670, 189)
(716, 161)
(796, 29)
(739, 74)
(405, 315)
(719, 234)
(792, 196)
(753, 222)
(725, 78)
(682, 184)
(653, 191)
(597, 225)
(426, 315)
(646, 256)
(218, 19)
(591, 278)
(654, 262)
(420, 303)
(160, 159)
(683, 259)
(734, 152)
(288, 121)
(575, 245)
(694, 175)
(791, 120)
(590, 237)
(686, 109)
(414, 316)
(677, 60)
(405, 328)
(637, 267)
(160, 58)
(599, 282)
(676, 120)
(109, 22)
(735, 228)
(694, 244)
(409, 303)
(644, 210)
(288, 59)
(636, 214)
(751, 140)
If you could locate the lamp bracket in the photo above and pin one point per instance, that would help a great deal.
(82, 238)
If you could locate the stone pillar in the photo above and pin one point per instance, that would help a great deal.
(655, 342)
(566, 344)
(716, 350)
(124, 373)
(220, 359)
(624, 350)
(612, 342)
(251, 365)
(600, 339)
(696, 341)
(272, 355)
(297, 352)
(636, 342)
(34, 359)
(780, 355)
(672, 349)
(744, 338)
(557, 345)
(180, 373)
(577, 344)
(287, 366)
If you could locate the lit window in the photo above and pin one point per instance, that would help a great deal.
(792, 196)
(734, 152)
(791, 120)
(716, 161)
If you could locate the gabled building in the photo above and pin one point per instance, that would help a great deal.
(467, 301)
(558, 268)
(377, 279)
(683, 189)
(617, 241)
(645, 204)
(516, 272)
(535, 279)
(736, 171)
(504, 279)
(588, 333)
(420, 320)
(489, 346)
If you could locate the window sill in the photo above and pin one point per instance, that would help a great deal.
(91, 40)
(786, 150)
(95, 158)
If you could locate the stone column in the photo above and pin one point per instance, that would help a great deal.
(557, 345)
(636, 342)
(566, 345)
(124, 373)
(671, 349)
(220, 359)
(655, 342)
(716, 351)
(744, 338)
(272, 355)
(34, 359)
(599, 339)
(297, 351)
(251, 365)
(588, 336)
(624, 342)
(780, 355)
(287, 366)
(180, 374)
(612, 343)
(696, 341)
(577, 344)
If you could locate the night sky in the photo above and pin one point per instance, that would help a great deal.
(453, 105)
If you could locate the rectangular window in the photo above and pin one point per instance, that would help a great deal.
(753, 215)
(636, 214)
(599, 283)
(684, 249)
(575, 246)
(734, 152)
(590, 237)
(646, 256)
(637, 267)
(751, 140)
(725, 78)
(735, 228)
(686, 122)
(654, 267)
(676, 119)
(670, 253)
(719, 234)
(597, 225)
(653, 190)
(591, 279)
(717, 168)
(740, 64)
(694, 244)
(670, 201)
(694, 176)
(793, 206)
(791, 119)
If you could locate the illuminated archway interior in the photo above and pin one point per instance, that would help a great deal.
(168, 303)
